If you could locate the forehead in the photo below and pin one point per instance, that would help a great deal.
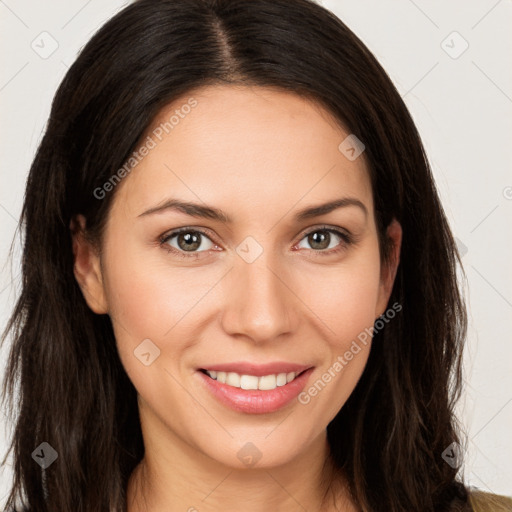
(247, 147)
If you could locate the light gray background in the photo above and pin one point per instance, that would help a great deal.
(461, 102)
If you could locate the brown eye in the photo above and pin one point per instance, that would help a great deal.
(325, 240)
(188, 241)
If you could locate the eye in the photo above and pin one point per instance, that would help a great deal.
(324, 239)
(187, 240)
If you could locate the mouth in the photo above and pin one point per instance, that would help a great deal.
(255, 389)
(255, 382)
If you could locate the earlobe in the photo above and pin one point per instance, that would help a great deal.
(87, 268)
(388, 271)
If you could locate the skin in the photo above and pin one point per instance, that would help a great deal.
(260, 155)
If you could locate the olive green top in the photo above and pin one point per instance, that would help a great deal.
(487, 502)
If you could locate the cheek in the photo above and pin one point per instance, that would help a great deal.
(344, 298)
(149, 299)
(345, 301)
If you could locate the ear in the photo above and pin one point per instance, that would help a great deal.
(389, 269)
(87, 267)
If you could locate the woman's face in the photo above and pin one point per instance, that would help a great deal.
(257, 276)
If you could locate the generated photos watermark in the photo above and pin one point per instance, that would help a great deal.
(145, 148)
(342, 360)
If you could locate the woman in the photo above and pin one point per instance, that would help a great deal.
(239, 284)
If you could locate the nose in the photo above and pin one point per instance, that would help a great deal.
(258, 300)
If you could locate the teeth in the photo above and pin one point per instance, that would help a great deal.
(246, 381)
(268, 382)
(264, 383)
(233, 379)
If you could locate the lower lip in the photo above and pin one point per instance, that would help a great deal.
(255, 401)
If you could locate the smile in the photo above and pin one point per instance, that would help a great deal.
(264, 383)
(255, 394)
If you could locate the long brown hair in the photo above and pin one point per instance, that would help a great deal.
(390, 436)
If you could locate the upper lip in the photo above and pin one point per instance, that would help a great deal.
(258, 370)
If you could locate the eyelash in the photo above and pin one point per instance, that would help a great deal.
(347, 238)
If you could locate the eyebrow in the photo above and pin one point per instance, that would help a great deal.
(209, 212)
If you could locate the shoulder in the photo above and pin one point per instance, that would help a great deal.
(487, 502)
